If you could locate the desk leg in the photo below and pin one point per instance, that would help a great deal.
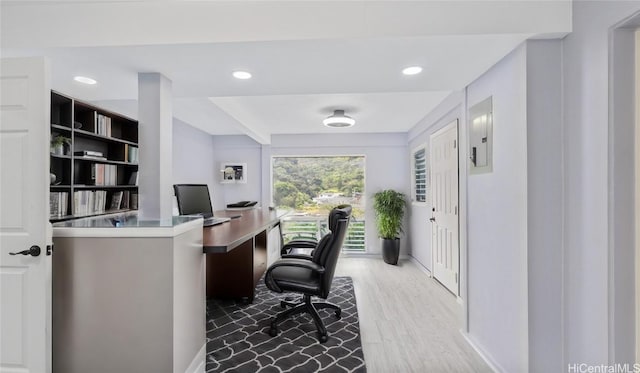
(259, 257)
(230, 275)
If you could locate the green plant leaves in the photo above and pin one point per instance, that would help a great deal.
(59, 140)
(389, 207)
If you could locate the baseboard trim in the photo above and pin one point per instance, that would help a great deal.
(197, 364)
(371, 255)
(420, 266)
(360, 255)
(483, 354)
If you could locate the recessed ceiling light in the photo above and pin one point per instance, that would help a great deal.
(338, 120)
(412, 70)
(242, 75)
(84, 80)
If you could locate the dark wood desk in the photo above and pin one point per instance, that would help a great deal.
(237, 252)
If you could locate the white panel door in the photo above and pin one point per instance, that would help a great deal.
(25, 288)
(444, 201)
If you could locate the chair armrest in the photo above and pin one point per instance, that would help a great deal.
(301, 244)
(300, 263)
(296, 256)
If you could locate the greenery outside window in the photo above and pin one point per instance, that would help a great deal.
(311, 187)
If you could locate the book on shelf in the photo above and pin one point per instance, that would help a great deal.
(133, 202)
(89, 202)
(97, 169)
(116, 200)
(102, 124)
(58, 204)
(126, 195)
(100, 201)
(133, 179)
(88, 153)
(92, 157)
(103, 174)
(130, 153)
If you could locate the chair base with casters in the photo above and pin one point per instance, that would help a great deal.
(290, 302)
(306, 306)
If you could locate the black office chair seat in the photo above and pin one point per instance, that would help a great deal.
(296, 279)
(310, 275)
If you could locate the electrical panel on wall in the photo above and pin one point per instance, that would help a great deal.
(481, 137)
(232, 172)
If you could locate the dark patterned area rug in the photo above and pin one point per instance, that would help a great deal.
(238, 339)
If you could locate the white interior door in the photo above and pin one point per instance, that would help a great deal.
(445, 242)
(25, 288)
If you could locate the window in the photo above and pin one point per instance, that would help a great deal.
(420, 175)
(311, 187)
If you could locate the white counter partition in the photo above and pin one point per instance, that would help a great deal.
(128, 295)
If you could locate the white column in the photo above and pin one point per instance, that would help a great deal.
(155, 116)
(265, 180)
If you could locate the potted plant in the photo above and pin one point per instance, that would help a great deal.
(58, 143)
(389, 207)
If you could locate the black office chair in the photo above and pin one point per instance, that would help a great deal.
(311, 275)
(302, 248)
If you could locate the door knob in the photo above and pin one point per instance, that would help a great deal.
(33, 251)
(432, 219)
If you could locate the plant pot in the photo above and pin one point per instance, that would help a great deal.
(390, 250)
(57, 149)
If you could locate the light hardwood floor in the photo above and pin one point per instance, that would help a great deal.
(408, 321)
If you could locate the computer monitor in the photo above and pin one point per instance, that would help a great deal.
(193, 199)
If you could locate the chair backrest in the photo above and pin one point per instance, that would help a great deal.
(338, 213)
(328, 250)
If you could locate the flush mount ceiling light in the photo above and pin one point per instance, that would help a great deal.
(242, 75)
(84, 80)
(338, 120)
(412, 70)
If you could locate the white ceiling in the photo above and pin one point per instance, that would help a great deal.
(307, 57)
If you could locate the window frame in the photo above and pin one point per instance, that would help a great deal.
(366, 250)
(414, 187)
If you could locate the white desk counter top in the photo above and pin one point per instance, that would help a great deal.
(125, 225)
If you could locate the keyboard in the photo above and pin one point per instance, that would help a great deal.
(214, 221)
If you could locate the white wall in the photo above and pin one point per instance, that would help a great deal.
(544, 210)
(497, 221)
(193, 156)
(240, 149)
(586, 192)
(419, 213)
(387, 165)
(621, 186)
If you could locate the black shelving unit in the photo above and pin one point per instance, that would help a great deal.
(88, 185)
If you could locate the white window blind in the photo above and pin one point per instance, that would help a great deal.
(420, 175)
